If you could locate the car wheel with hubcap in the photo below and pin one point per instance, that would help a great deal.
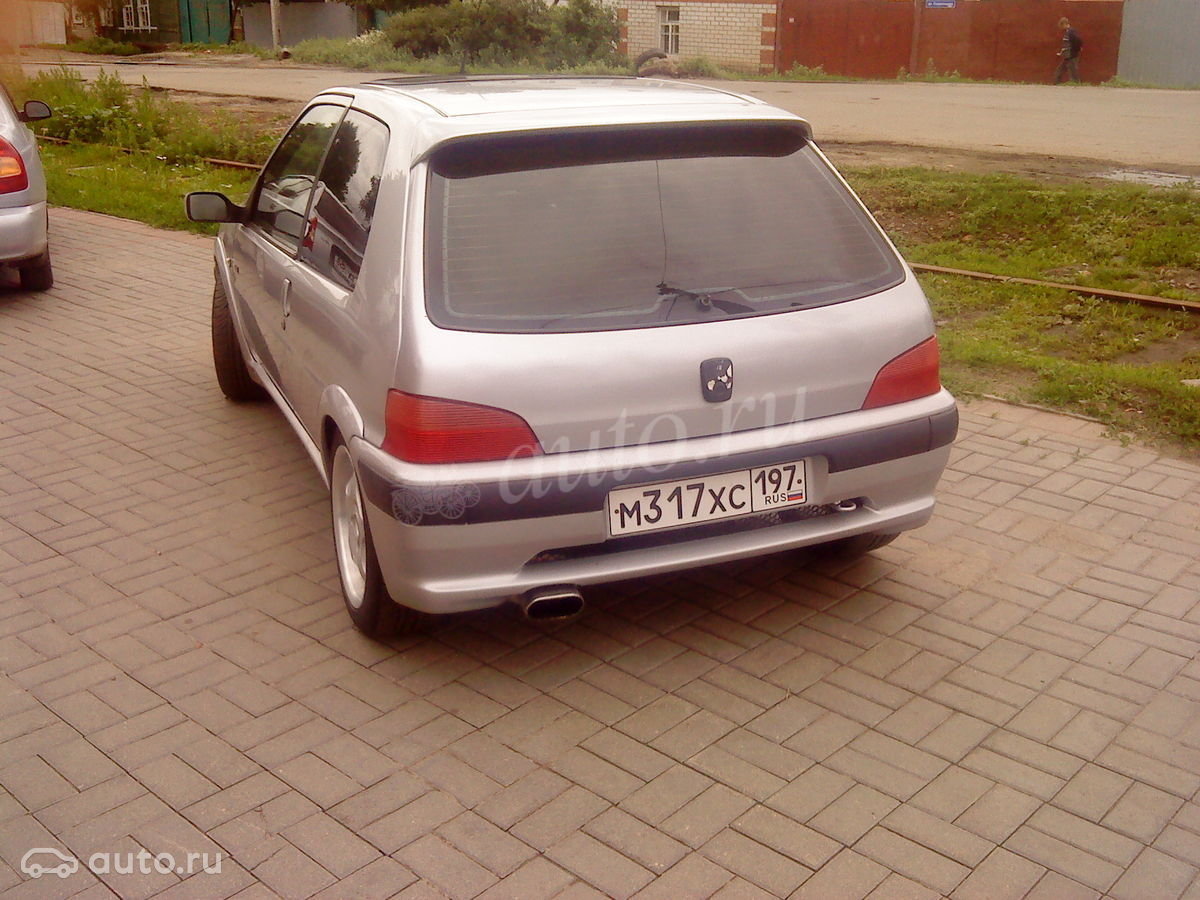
(371, 608)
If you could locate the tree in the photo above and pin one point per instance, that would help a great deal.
(465, 28)
(581, 31)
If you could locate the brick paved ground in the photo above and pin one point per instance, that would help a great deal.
(1004, 703)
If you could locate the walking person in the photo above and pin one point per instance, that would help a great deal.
(1068, 62)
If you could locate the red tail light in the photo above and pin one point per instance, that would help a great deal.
(432, 430)
(912, 374)
(13, 176)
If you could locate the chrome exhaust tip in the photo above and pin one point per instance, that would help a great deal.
(550, 604)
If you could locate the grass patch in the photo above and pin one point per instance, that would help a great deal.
(104, 47)
(1117, 362)
(1120, 363)
(134, 186)
(239, 48)
(108, 111)
(372, 52)
(1120, 236)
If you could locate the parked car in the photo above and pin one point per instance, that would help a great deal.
(569, 330)
(23, 216)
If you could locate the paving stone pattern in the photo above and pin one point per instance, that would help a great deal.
(1002, 704)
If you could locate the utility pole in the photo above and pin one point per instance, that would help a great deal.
(276, 41)
(914, 51)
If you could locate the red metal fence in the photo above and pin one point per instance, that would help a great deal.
(1012, 40)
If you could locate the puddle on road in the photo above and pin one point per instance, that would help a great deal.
(1156, 179)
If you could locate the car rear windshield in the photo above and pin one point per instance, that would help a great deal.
(632, 228)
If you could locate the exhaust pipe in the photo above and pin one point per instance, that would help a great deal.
(549, 604)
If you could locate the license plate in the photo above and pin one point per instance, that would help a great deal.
(706, 498)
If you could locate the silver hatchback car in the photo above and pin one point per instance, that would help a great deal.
(538, 333)
(23, 218)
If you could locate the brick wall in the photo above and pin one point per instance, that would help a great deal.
(738, 35)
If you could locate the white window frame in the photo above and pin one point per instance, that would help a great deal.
(668, 29)
(135, 16)
(106, 16)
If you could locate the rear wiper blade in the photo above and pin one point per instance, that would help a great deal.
(703, 299)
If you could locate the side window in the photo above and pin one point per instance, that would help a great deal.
(289, 175)
(343, 206)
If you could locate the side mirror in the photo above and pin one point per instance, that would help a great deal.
(34, 110)
(211, 206)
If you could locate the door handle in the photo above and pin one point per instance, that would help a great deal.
(287, 297)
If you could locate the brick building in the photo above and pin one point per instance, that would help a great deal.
(737, 34)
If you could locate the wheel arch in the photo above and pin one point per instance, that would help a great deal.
(338, 415)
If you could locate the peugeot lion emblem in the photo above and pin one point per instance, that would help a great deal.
(716, 379)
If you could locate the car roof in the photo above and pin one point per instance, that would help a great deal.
(445, 108)
(470, 95)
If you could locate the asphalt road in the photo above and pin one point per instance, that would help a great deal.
(1144, 128)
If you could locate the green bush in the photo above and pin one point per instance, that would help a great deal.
(372, 50)
(422, 32)
(701, 67)
(580, 32)
(465, 29)
(512, 34)
(105, 46)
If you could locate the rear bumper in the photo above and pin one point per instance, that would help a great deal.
(450, 538)
(22, 233)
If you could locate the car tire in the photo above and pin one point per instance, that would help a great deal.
(645, 57)
(232, 373)
(38, 276)
(855, 546)
(371, 608)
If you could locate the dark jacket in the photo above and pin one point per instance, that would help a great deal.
(1071, 44)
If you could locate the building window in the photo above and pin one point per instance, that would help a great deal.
(668, 28)
(106, 16)
(76, 16)
(135, 16)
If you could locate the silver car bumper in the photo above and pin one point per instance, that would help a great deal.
(457, 538)
(22, 232)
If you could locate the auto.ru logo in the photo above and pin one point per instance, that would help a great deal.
(45, 860)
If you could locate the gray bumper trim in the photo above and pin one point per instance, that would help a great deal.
(452, 504)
